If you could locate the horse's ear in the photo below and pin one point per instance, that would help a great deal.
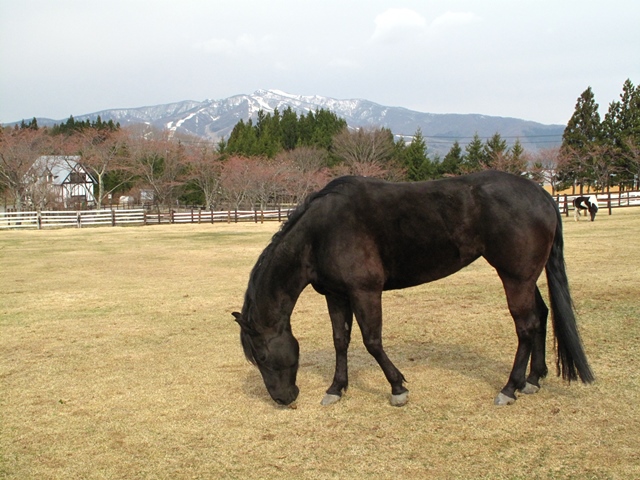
(238, 318)
(243, 323)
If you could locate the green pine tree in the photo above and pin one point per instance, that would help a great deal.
(580, 141)
(495, 151)
(452, 161)
(415, 159)
(474, 158)
(517, 159)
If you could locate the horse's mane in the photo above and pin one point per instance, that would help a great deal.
(286, 227)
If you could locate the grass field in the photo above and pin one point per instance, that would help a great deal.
(119, 358)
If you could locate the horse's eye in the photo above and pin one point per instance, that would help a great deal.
(261, 358)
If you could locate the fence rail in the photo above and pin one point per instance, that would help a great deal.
(140, 216)
(605, 200)
(108, 217)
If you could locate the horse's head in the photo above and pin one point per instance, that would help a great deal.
(593, 206)
(275, 352)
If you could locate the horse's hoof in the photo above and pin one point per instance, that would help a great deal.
(530, 388)
(400, 400)
(502, 400)
(330, 399)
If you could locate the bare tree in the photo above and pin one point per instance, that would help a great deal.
(544, 165)
(19, 149)
(632, 164)
(236, 181)
(306, 169)
(204, 166)
(602, 165)
(365, 152)
(160, 166)
(267, 179)
(572, 167)
(104, 152)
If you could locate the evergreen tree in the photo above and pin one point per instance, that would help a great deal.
(517, 159)
(580, 141)
(327, 125)
(583, 129)
(495, 151)
(31, 125)
(243, 139)
(415, 160)
(273, 133)
(621, 134)
(452, 162)
(289, 129)
(268, 134)
(474, 158)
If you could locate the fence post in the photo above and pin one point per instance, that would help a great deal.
(113, 217)
(211, 208)
(566, 206)
(255, 215)
(39, 219)
(609, 201)
(236, 216)
(79, 219)
(279, 214)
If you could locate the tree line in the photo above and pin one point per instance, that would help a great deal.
(282, 156)
(603, 152)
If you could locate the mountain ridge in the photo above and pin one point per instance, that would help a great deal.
(215, 119)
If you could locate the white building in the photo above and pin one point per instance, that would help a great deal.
(60, 181)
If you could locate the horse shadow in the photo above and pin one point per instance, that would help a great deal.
(458, 359)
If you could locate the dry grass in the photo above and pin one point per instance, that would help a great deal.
(119, 359)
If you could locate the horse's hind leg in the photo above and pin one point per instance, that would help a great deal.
(538, 362)
(367, 307)
(341, 322)
(521, 299)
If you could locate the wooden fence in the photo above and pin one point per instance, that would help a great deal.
(112, 217)
(108, 217)
(605, 200)
(211, 216)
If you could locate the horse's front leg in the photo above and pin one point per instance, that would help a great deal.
(367, 307)
(341, 322)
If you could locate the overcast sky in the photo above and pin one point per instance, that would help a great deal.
(528, 59)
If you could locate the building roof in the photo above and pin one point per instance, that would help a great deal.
(60, 167)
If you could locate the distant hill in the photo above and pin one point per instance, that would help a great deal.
(214, 119)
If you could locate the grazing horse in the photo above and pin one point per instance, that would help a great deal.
(359, 236)
(586, 203)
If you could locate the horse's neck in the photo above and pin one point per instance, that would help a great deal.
(284, 278)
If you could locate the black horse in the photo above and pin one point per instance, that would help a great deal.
(358, 236)
(582, 204)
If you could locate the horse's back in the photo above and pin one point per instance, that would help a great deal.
(412, 233)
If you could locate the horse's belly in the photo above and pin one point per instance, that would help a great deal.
(424, 270)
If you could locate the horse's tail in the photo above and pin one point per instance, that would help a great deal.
(571, 360)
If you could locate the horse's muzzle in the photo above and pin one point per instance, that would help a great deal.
(286, 398)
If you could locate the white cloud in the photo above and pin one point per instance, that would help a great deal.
(397, 23)
(242, 45)
(343, 63)
(453, 19)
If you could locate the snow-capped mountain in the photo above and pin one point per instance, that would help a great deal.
(215, 119)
